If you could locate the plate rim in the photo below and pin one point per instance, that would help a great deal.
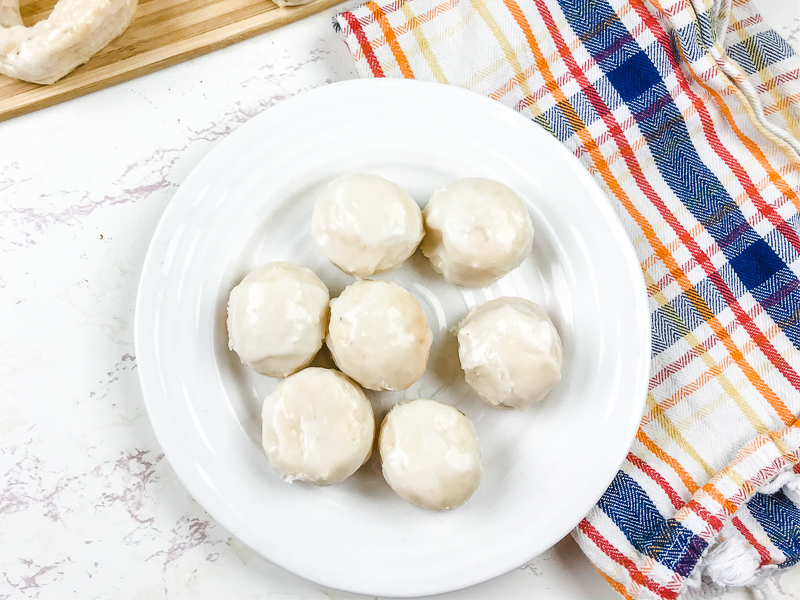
(625, 246)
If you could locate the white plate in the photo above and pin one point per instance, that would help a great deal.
(249, 202)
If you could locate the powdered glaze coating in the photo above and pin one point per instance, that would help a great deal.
(379, 335)
(74, 32)
(365, 224)
(510, 352)
(277, 318)
(318, 427)
(476, 231)
(430, 454)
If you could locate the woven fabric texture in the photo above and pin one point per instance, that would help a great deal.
(687, 112)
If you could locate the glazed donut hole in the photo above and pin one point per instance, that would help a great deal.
(365, 224)
(476, 231)
(379, 335)
(430, 454)
(318, 427)
(510, 352)
(277, 318)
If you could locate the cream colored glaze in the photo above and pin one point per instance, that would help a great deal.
(277, 317)
(318, 427)
(430, 454)
(74, 32)
(365, 224)
(476, 231)
(510, 352)
(379, 335)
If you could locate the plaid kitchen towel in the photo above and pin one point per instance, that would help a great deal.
(687, 112)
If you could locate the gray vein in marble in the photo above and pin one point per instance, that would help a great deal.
(792, 34)
(27, 222)
(31, 582)
(243, 111)
(25, 488)
(188, 533)
(128, 361)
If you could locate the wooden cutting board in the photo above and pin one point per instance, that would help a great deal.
(162, 33)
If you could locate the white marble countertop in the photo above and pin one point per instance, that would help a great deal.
(89, 507)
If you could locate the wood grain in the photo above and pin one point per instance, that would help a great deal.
(162, 33)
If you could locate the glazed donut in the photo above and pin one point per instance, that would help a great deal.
(510, 352)
(379, 335)
(365, 224)
(430, 454)
(476, 231)
(318, 427)
(277, 317)
(74, 32)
